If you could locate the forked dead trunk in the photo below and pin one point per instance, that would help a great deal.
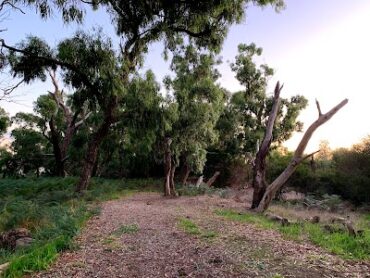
(259, 168)
(298, 156)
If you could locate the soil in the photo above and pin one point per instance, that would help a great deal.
(140, 236)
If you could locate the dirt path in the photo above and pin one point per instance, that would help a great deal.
(140, 237)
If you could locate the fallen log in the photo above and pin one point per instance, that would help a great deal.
(346, 223)
(276, 218)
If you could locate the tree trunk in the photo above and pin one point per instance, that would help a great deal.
(60, 149)
(172, 180)
(212, 180)
(94, 143)
(90, 158)
(58, 155)
(167, 167)
(259, 169)
(185, 172)
(297, 157)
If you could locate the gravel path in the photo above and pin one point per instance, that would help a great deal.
(140, 236)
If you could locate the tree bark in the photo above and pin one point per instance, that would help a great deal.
(259, 169)
(172, 180)
(54, 139)
(94, 143)
(167, 167)
(212, 180)
(297, 157)
(185, 172)
(60, 147)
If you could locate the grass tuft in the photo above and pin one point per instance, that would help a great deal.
(192, 228)
(126, 229)
(340, 243)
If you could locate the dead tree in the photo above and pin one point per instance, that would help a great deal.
(259, 168)
(270, 190)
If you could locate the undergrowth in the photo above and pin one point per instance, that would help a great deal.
(54, 214)
(340, 243)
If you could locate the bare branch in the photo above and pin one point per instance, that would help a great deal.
(82, 121)
(57, 95)
(318, 107)
(271, 120)
(9, 3)
(9, 90)
(308, 156)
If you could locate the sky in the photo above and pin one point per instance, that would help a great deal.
(319, 49)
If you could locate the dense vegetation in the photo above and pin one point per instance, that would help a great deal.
(107, 123)
(344, 172)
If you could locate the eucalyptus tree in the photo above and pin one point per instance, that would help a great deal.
(129, 148)
(28, 147)
(57, 120)
(254, 105)
(199, 104)
(4, 121)
(100, 76)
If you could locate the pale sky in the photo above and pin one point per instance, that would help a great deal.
(319, 49)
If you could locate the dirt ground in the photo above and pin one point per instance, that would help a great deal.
(157, 246)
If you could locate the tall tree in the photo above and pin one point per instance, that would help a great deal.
(138, 23)
(199, 100)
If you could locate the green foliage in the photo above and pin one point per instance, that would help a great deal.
(189, 226)
(4, 121)
(352, 172)
(346, 174)
(340, 243)
(252, 106)
(49, 208)
(199, 104)
(69, 10)
(30, 66)
(29, 147)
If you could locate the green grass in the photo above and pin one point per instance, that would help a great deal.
(126, 229)
(340, 243)
(191, 228)
(49, 208)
